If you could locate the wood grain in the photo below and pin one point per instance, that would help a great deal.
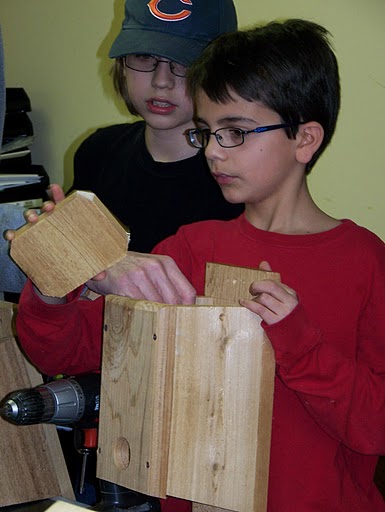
(187, 395)
(32, 465)
(223, 373)
(136, 394)
(227, 284)
(67, 247)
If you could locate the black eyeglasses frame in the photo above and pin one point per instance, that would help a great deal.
(259, 129)
(171, 63)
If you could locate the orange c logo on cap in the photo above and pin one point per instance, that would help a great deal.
(182, 15)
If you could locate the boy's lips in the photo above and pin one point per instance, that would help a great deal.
(222, 178)
(160, 106)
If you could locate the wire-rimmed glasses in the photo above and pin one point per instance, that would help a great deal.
(148, 64)
(229, 137)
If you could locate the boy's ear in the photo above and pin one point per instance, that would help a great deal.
(309, 137)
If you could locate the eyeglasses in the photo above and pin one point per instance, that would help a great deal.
(149, 63)
(229, 137)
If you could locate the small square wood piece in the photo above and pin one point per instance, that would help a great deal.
(70, 245)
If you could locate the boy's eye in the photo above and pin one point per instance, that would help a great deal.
(179, 69)
(144, 57)
(235, 134)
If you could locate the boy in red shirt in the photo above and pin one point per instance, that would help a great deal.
(267, 101)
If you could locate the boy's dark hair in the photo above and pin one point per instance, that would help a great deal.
(289, 66)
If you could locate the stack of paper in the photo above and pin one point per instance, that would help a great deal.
(18, 180)
(21, 182)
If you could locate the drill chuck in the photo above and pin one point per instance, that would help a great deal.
(62, 402)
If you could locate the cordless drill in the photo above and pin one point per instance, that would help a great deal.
(74, 401)
(63, 401)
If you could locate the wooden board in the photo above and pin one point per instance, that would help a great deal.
(186, 399)
(221, 411)
(201, 507)
(135, 414)
(68, 246)
(32, 465)
(227, 284)
(60, 505)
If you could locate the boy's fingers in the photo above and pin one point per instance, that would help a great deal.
(264, 265)
(9, 234)
(55, 193)
(48, 206)
(100, 276)
(145, 276)
(277, 290)
(31, 216)
(269, 316)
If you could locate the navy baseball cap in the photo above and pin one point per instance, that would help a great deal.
(177, 30)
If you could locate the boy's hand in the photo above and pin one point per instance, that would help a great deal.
(145, 276)
(55, 193)
(272, 301)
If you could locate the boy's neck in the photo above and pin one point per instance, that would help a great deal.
(298, 216)
(168, 145)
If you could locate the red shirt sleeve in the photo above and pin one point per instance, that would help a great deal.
(63, 338)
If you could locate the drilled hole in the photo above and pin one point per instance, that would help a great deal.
(122, 453)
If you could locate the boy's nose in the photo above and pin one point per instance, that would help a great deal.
(162, 75)
(213, 150)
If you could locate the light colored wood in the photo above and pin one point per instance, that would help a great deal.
(138, 359)
(227, 284)
(32, 465)
(223, 371)
(66, 506)
(68, 246)
(201, 507)
(188, 414)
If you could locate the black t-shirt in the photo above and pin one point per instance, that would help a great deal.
(152, 199)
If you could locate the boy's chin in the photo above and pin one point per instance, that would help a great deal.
(231, 196)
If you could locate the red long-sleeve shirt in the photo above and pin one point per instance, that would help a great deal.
(329, 401)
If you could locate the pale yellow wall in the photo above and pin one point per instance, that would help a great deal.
(57, 51)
